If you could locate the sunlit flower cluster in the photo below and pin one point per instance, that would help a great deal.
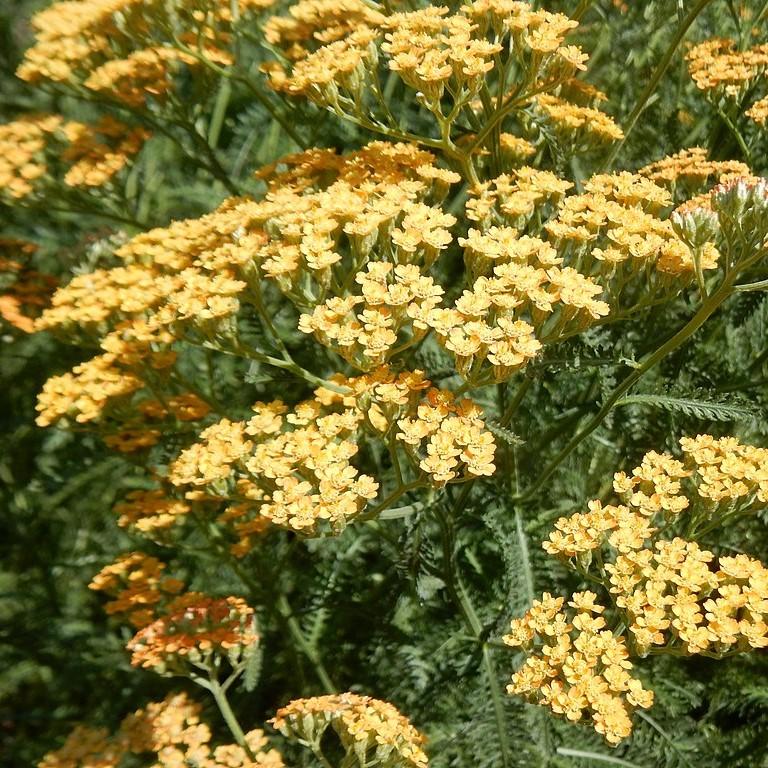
(576, 666)
(368, 728)
(150, 512)
(193, 629)
(137, 586)
(293, 467)
(692, 168)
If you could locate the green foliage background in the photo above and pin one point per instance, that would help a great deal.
(374, 599)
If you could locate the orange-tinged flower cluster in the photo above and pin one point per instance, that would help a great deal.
(194, 629)
(136, 584)
(32, 147)
(368, 728)
(150, 512)
(146, 74)
(719, 68)
(692, 168)
(576, 666)
(171, 731)
(24, 291)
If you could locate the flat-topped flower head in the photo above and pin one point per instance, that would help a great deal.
(195, 629)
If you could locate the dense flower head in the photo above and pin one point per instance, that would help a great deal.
(366, 727)
(675, 592)
(576, 666)
(293, 467)
(192, 631)
(137, 586)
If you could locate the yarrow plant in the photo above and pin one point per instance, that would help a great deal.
(363, 300)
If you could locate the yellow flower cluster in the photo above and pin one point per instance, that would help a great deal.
(718, 67)
(293, 467)
(83, 394)
(331, 54)
(577, 667)
(122, 49)
(171, 731)
(365, 329)
(693, 168)
(513, 199)
(147, 73)
(573, 125)
(371, 730)
(194, 629)
(759, 112)
(94, 153)
(136, 584)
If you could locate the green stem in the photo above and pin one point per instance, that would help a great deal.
(511, 410)
(693, 325)
(284, 609)
(220, 697)
(653, 83)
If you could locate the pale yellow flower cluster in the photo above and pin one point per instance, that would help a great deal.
(293, 467)
(136, 584)
(368, 728)
(614, 229)
(667, 589)
(25, 291)
(512, 199)
(195, 629)
(576, 666)
(365, 329)
(576, 126)
(718, 67)
(171, 731)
